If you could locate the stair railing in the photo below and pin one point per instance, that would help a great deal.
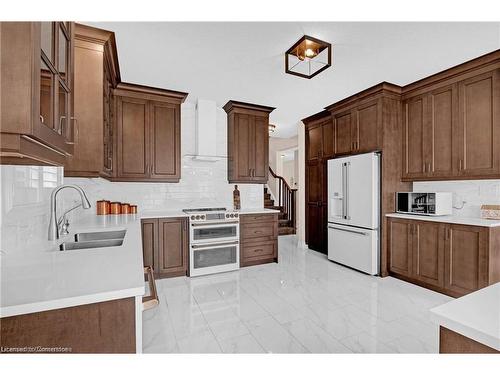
(286, 198)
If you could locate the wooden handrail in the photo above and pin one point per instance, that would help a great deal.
(286, 197)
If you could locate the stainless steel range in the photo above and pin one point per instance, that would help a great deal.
(214, 235)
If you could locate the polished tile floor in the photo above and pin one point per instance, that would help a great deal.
(303, 304)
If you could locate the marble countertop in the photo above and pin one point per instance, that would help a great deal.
(476, 316)
(46, 278)
(449, 219)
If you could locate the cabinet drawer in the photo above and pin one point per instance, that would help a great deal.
(257, 231)
(265, 249)
(257, 218)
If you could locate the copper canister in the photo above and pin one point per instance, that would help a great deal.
(133, 209)
(115, 208)
(125, 208)
(102, 207)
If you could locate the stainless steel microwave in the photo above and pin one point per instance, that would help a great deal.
(433, 204)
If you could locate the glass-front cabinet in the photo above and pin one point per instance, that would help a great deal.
(37, 92)
(55, 78)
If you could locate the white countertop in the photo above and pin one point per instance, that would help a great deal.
(449, 219)
(476, 316)
(46, 278)
(248, 211)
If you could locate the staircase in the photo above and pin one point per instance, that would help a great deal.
(286, 205)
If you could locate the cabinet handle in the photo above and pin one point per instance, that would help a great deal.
(258, 250)
(77, 130)
(460, 164)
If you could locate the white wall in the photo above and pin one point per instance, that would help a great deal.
(301, 229)
(26, 190)
(474, 192)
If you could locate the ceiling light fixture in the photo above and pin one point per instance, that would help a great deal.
(308, 57)
(272, 128)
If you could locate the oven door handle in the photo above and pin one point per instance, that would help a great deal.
(215, 245)
(213, 225)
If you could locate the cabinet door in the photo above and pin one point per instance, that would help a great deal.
(466, 259)
(428, 252)
(261, 149)
(439, 132)
(150, 242)
(315, 142)
(415, 110)
(343, 141)
(165, 141)
(108, 103)
(328, 139)
(242, 147)
(172, 247)
(479, 125)
(132, 128)
(315, 181)
(316, 228)
(364, 131)
(400, 247)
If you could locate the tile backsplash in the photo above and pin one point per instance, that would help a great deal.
(25, 194)
(473, 192)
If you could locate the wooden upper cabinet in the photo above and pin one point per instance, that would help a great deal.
(133, 141)
(365, 127)
(148, 134)
(247, 142)
(165, 135)
(315, 142)
(439, 131)
(478, 135)
(342, 123)
(414, 115)
(37, 92)
(328, 138)
(96, 73)
(466, 258)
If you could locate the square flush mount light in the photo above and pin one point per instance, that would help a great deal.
(308, 57)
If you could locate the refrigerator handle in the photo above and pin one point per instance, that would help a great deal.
(346, 191)
(343, 191)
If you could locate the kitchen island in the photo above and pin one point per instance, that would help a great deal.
(470, 324)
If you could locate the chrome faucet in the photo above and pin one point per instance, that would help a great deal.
(54, 224)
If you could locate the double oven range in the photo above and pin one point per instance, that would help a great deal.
(214, 235)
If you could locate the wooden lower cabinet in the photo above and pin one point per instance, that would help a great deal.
(258, 239)
(165, 246)
(451, 342)
(104, 327)
(450, 258)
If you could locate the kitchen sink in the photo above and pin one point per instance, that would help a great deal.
(98, 236)
(90, 244)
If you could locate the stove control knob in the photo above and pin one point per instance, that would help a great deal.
(235, 215)
(192, 217)
(232, 215)
(203, 217)
(197, 217)
(227, 215)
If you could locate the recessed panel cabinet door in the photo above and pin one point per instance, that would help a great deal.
(466, 259)
(400, 247)
(165, 141)
(414, 112)
(439, 132)
(364, 133)
(261, 149)
(316, 228)
(172, 247)
(132, 125)
(150, 242)
(328, 139)
(479, 125)
(428, 253)
(314, 150)
(343, 141)
(243, 135)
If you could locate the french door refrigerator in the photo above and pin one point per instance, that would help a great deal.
(354, 211)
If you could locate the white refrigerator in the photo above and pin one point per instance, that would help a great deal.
(354, 211)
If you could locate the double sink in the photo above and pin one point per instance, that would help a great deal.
(93, 240)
